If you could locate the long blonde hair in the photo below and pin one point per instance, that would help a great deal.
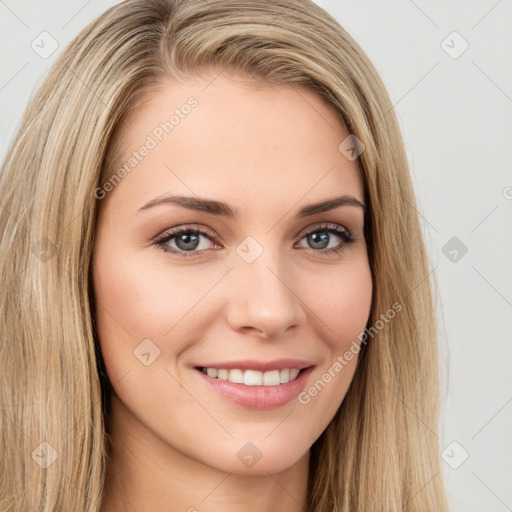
(380, 452)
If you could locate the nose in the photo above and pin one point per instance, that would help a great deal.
(261, 298)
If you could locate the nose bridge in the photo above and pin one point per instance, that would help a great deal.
(261, 290)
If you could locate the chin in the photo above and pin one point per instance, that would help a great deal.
(259, 458)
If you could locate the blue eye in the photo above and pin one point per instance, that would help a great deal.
(320, 237)
(187, 240)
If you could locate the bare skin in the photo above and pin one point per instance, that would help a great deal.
(266, 152)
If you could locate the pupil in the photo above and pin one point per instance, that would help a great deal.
(190, 241)
(322, 239)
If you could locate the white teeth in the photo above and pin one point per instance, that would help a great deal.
(212, 372)
(271, 378)
(236, 376)
(254, 377)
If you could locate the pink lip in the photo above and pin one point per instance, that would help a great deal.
(262, 366)
(258, 397)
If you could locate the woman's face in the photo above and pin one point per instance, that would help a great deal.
(260, 287)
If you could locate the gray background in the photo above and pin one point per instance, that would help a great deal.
(455, 111)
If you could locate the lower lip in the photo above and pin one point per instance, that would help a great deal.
(258, 397)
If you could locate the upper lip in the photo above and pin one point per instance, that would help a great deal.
(262, 366)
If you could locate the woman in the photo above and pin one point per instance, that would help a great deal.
(215, 288)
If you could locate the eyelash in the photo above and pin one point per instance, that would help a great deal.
(162, 240)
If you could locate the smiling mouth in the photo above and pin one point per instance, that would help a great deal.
(257, 389)
(252, 377)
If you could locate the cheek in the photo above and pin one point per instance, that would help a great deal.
(341, 309)
(144, 317)
(342, 302)
(136, 302)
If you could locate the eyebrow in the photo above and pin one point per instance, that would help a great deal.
(221, 208)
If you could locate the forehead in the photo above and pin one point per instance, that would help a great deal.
(217, 135)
